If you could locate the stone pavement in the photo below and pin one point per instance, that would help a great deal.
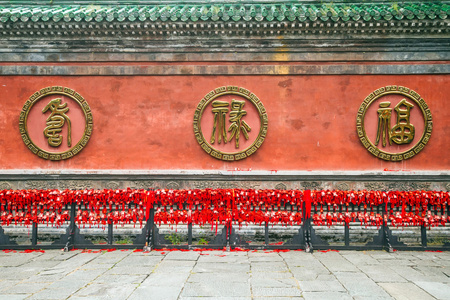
(224, 275)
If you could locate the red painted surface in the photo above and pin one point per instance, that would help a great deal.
(145, 122)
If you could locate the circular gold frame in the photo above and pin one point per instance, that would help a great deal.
(226, 90)
(53, 90)
(412, 95)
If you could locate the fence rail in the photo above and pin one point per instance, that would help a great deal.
(229, 209)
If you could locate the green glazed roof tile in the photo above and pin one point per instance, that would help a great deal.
(225, 12)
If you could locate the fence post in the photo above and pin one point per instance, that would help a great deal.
(110, 233)
(385, 228)
(190, 233)
(266, 233)
(34, 233)
(229, 230)
(71, 238)
(306, 208)
(347, 233)
(150, 243)
(423, 234)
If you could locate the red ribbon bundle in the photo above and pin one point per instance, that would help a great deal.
(225, 207)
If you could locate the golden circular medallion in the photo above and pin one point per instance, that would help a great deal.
(230, 123)
(56, 123)
(394, 123)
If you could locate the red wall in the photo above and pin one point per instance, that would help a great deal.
(146, 122)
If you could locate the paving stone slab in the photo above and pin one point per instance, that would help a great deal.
(58, 255)
(92, 298)
(268, 266)
(405, 291)
(425, 255)
(327, 255)
(139, 261)
(175, 266)
(276, 291)
(44, 278)
(105, 260)
(360, 258)
(372, 298)
(56, 294)
(273, 275)
(6, 284)
(220, 298)
(14, 297)
(12, 261)
(216, 289)
(326, 295)
(339, 265)
(270, 282)
(176, 280)
(412, 274)
(384, 255)
(40, 264)
(295, 254)
(236, 253)
(309, 273)
(437, 272)
(182, 255)
(323, 277)
(277, 298)
(155, 292)
(129, 279)
(301, 260)
(221, 268)
(223, 277)
(131, 270)
(358, 284)
(72, 285)
(305, 275)
(380, 273)
(106, 254)
(15, 260)
(57, 270)
(442, 262)
(446, 271)
(25, 288)
(271, 258)
(321, 286)
(95, 266)
(398, 262)
(78, 260)
(16, 274)
(115, 290)
(222, 258)
(438, 290)
(85, 274)
(312, 264)
(428, 262)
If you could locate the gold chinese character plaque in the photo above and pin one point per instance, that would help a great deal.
(230, 123)
(56, 123)
(394, 123)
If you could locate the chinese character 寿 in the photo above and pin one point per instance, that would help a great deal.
(56, 121)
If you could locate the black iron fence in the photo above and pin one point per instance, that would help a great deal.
(313, 218)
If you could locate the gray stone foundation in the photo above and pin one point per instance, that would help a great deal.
(400, 181)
